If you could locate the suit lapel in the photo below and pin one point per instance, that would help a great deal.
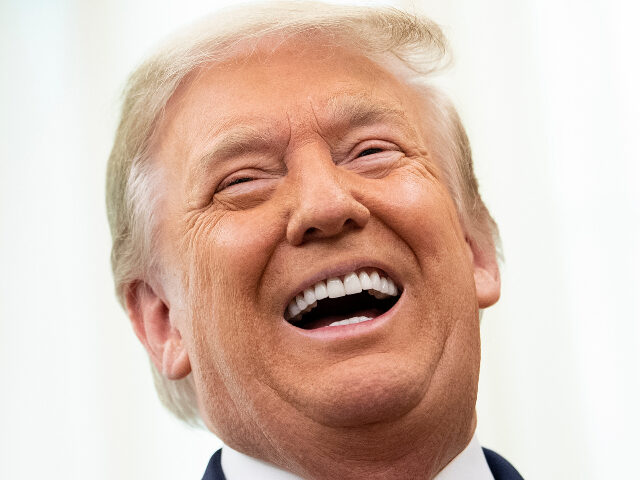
(500, 468)
(214, 469)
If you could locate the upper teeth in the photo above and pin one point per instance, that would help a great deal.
(335, 287)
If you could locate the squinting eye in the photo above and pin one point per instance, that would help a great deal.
(369, 151)
(239, 180)
(235, 181)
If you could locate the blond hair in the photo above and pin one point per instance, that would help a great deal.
(416, 42)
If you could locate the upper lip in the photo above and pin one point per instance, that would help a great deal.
(337, 270)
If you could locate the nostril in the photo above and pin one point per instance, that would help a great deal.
(349, 223)
(313, 220)
(310, 232)
(330, 230)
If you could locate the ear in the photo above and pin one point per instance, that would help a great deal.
(486, 273)
(149, 316)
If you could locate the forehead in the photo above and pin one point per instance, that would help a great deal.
(302, 73)
(294, 84)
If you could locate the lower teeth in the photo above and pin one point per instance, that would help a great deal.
(349, 321)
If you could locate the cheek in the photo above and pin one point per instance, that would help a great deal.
(224, 264)
(420, 211)
(232, 249)
(421, 214)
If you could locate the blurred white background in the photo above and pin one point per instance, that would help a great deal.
(549, 93)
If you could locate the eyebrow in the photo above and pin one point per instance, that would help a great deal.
(231, 143)
(352, 110)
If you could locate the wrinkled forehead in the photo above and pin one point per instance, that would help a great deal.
(290, 80)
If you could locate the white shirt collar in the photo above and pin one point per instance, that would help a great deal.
(469, 464)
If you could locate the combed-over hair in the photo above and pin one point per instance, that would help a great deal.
(378, 32)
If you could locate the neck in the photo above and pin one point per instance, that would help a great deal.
(405, 448)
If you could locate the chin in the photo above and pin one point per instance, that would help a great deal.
(362, 391)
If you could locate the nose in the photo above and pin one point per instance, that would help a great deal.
(325, 204)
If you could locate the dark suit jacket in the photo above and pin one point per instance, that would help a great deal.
(500, 468)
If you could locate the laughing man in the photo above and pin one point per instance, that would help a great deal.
(299, 242)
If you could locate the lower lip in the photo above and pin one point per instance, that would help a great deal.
(352, 330)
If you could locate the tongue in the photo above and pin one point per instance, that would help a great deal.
(331, 319)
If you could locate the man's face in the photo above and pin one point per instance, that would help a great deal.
(283, 170)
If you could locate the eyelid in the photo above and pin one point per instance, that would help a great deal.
(383, 145)
(228, 182)
(250, 173)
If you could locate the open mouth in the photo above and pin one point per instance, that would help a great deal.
(356, 297)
